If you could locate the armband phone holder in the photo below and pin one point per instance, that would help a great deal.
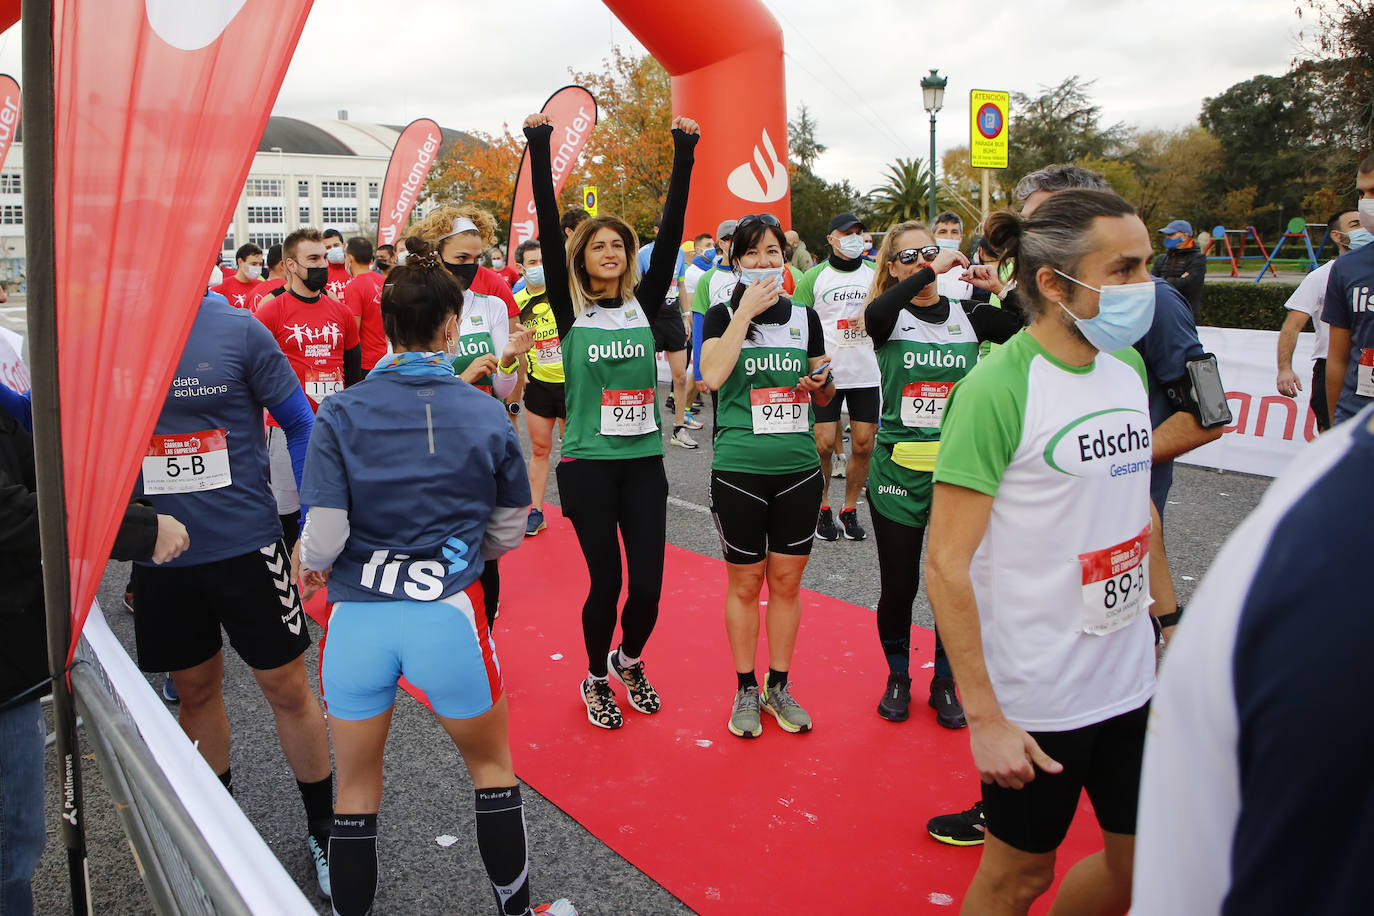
(1207, 393)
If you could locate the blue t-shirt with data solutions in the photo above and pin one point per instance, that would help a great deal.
(206, 464)
(1350, 305)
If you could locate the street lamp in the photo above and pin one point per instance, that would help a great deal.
(933, 92)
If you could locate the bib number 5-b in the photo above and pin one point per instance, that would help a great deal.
(190, 463)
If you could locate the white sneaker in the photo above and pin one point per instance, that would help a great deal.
(837, 464)
(691, 422)
(680, 438)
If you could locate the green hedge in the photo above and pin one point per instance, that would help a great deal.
(1258, 306)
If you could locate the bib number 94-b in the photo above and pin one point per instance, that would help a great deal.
(628, 413)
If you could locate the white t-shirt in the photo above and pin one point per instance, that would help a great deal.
(839, 297)
(690, 277)
(1309, 298)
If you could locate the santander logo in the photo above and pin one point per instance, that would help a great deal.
(766, 185)
(189, 25)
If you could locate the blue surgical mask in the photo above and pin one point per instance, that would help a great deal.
(1172, 243)
(534, 276)
(1360, 237)
(1124, 314)
(851, 246)
(748, 275)
(948, 244)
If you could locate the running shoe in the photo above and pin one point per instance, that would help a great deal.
(129, 597)
(895, 706)
(698, 403)
(837, 464)
(670, 404)
(963, 829)
(169, 689)
(680, 438)
(691, 422)
(535, 523)
(601, 708)
(745, 721)
(321, 866)
(791, 717)
(560, 907)
(641, 694)
(849, 520)
(949, 712)
(826, 529)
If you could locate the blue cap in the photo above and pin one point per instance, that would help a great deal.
(1178, 225)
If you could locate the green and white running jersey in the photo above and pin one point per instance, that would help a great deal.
(611, 379)
(839, 297)
(715, 287)
(1061, 576)
(919, 364)
(763, 423)
(483, 322)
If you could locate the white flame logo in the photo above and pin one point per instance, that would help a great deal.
(190, 25)
(745, 184)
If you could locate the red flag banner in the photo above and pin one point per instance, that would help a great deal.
(414, 155)
(147, 159)
(9, 113)
(572, 110)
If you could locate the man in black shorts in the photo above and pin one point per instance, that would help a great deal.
(207, 465)
(670, 338)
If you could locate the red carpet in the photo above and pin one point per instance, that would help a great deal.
(832, 821)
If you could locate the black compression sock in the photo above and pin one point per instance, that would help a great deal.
(501, 841)
(353, 863)
(776, 678)
(319, 807)
(227, 779)
(746, 679)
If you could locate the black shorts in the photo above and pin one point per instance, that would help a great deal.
(759, 514)
(1318, 398)
(545, 399)
(670, 333)
(1103, 758)
(863, 406)
(181, 610)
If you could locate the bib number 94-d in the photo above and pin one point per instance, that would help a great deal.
(780, 410)
(923, 404)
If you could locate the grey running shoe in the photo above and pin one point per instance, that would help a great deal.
(638, 690)
(321, 866)
(745, 721)
(602, 710)
(788, 712)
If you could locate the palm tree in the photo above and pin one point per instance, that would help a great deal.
(903, 194)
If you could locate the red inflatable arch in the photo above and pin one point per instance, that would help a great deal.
(725, 58)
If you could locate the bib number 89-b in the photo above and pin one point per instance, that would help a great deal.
(1118, 591)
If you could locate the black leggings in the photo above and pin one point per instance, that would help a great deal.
(899, 576)
(602, 498)
(491, 592)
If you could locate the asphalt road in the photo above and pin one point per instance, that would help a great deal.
(427, 791)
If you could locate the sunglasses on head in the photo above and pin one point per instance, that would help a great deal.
(909, 255)
(766, 219)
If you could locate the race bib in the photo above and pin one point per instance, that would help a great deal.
(321, 383)
(1364, 374)
(628, 413)
(780, 410)
(549, 351)
(923, 404)
(1115, 584)
(188, 463)
(849, 332)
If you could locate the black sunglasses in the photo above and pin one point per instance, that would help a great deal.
(766, 219)
(909, 255)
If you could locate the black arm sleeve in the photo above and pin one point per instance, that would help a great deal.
(353, 365)
(815, 335)
(716, 321)
(1011, 302)
(993, 324)
(550, 232)
(653, 286)
(137, 535)
(880, 315)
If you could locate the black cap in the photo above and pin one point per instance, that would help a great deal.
(844, 221)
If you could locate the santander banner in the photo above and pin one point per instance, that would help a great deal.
(573, 112)
(148, 158)
(9, 113)
(411, 160)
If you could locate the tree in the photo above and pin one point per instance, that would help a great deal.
(480, 172)
(903, 194)
(814, 200)
(964, 185)
(1061, 124)
(1344, 39)
(801, 139)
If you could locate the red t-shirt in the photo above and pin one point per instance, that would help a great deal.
(338, 279)
(509, 274)
(363, 296)
(490, 283)
(314, 336)
(261, 290)
(236, 291)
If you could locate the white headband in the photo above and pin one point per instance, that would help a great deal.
(461, 224)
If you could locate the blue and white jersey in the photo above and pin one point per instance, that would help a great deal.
(1259, 723)
(206, 464)
(1350, 305)
(419, 459)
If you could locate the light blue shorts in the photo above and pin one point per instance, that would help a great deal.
(442, 647)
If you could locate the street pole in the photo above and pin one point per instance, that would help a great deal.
(931, 208)
(987, 194)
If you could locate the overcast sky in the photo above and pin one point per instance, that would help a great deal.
(475, 66)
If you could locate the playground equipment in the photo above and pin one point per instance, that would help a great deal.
(1235, 254)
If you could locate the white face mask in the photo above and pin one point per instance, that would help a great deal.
(747, 275)
(534, 276)
(851, 246)
(252, 271)
(497, 263)
(401, 256)
(947, 244)
(334, 255)
(1366, 208)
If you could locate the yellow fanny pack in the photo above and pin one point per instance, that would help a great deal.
(916, 456)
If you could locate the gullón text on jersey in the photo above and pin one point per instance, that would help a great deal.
(773, 362)
(473, 346)
(188, 386)
(935, 359)
(616, 349)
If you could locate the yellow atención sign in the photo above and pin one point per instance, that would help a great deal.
(987, 141)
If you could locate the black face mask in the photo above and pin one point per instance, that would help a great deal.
(383, 266)
(465, 272)
(316, 278)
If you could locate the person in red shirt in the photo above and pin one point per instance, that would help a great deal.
(276, 279)
(334, 254)
(320, 340)
(238, 286)
(363, 296)
(502, 267)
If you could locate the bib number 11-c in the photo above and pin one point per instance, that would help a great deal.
(1115, 584)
